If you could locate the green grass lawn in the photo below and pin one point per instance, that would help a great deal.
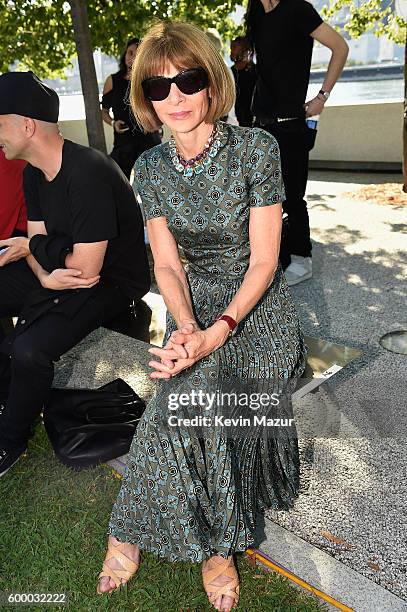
(52, 539)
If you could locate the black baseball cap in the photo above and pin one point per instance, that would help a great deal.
(22, 93)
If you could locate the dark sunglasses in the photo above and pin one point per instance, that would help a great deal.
(189, 81)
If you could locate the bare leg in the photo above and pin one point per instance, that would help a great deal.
(227, 579)
(131, 551)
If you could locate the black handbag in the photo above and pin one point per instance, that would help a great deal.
(91, 426)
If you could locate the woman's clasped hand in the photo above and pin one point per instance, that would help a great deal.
(185, 347)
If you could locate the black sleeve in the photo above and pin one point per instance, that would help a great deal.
(92, 200)
(50, 251)
(31, 194)
(107, 100)
(306, 17)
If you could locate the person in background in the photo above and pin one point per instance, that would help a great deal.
(244, 73)
(282, 33)
(128, 140)
(13, 211)
(83, 263)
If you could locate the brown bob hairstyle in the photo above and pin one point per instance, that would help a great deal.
(184, 46)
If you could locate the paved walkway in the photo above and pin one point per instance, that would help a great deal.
(354, 443)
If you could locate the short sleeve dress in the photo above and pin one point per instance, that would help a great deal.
(193, 489)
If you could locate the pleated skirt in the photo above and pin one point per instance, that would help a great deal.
(191, 491)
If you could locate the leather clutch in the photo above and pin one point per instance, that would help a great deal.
(91, 426)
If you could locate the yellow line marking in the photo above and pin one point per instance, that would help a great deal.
(257, 555)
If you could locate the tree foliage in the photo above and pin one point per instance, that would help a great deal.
(369, 16)
(39, 33)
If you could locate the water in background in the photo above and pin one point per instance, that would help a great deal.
(353, 92)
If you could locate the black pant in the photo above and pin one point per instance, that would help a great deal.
(26, 375)
(295, 140)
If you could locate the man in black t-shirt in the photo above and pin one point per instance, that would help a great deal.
(84, 261)
(282, 33)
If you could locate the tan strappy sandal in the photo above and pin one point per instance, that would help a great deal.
(119, 576)
(213, 570)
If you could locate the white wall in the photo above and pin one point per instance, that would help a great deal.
(75, 130)
(370, 132)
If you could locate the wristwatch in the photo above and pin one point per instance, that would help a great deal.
(231, 323)
(326, 94)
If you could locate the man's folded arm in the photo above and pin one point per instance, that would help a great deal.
(87, 257)
(35, 228)
(53, 252)
(49, 251)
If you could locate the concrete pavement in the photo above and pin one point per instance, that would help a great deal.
(353, 446)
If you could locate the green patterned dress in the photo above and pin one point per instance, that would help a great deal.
(187, 492)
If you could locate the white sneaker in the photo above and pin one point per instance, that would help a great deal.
(300, 269)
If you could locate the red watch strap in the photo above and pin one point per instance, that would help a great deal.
(229, 320)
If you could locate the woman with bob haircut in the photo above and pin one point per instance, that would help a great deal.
(193, 487)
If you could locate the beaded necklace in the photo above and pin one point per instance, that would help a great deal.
(200, 162)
